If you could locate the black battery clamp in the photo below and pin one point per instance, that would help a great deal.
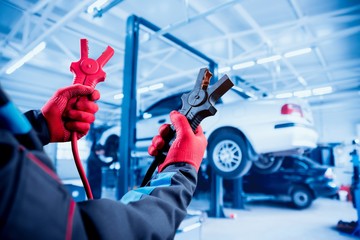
(196, 105)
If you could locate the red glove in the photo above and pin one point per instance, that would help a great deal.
(188, 147)
(70, 109)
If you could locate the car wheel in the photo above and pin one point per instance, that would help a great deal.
(267, 164)
(301, 197)
(228, 156)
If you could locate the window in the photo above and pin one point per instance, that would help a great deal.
(300, 165)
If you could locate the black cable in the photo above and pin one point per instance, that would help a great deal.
(158, 159)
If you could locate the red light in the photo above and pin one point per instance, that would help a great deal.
(290, 108)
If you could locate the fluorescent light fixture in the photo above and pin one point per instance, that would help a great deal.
(26, 58)
(143, 90)
(150, 88)
(322, 90)
(303, 93)
(156, 86)
(147, 115)
(224, 69)
(145, 37)
(240, 89)
(268, 59)
(251, 95)
(98, 4)
(297, 52)
(302, 81)
(119, 96)
(284, 95)
(243, 65)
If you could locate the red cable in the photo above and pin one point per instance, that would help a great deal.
(79, 166)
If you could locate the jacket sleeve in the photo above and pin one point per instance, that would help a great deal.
(33, 202)
(38, 122)
(151, 212)
(32, 196)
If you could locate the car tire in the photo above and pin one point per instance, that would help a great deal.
(227, 154)
(301, 197)
(267, 164)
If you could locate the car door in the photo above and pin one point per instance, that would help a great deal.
(152, 118)
(280, 181)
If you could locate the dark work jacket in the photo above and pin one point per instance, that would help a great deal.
(35, 205)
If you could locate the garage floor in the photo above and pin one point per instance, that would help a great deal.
(275, 221)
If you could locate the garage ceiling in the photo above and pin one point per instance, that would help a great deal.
(309, 48)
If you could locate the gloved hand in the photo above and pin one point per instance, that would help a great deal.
(70, 109)
(188, 147)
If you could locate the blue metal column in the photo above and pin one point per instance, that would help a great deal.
(238, 198)
(128, 113)
(216, 190)
(216, 196)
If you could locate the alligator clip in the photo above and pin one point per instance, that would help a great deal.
(199, 103)
(88, 71)
(196, 105)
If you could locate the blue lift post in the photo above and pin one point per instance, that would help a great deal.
(238, 199)
(128, 114)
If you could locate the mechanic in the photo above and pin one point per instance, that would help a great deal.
(96, 162)
(35, 205)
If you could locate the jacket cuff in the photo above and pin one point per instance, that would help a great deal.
(39, 124)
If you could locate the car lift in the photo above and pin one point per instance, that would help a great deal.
(128, 113)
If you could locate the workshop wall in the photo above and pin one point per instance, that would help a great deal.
(334, 127)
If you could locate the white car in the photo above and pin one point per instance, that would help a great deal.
(243, 132)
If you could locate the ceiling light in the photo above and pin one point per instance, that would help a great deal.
(156, 86)
(239, 88)
(96, 5)
(147, 115)
(243, 65)
(251, 95)
(143, 90)
(145, 37)
(26, 58)
(322, 90)
(224, 69)
(302, 81)
(150, 88)
(303, 93)
(297, 52)
(119, 96)
(284, 95)
(268, 59)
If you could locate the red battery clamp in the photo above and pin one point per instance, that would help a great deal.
(89, 72)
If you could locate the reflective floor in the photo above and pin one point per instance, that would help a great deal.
(276, 221)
